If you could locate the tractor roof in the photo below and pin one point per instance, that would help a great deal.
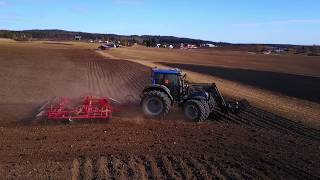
(166, 71)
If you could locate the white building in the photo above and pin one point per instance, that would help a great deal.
(77, 38)
(210, 45)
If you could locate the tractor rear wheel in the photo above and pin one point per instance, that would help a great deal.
(156, 104)
(195, 110)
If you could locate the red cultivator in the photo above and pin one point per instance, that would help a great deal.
(66, 109)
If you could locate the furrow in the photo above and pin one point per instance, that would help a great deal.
(198, 170)
(172, 174)
(98, 78)
(138, 168)
(162, 168)
(220, 169)
(185, 169)
(211, 169)
(178, 167)
(119, 168)
(101, 169)
(153, 168)
(102, 81)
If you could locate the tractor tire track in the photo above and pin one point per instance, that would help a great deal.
(176, 165)
(138, 168)
(102, 169)
(269, 121)
(154, 169)
(120, 169)
(211, 169)
(255, 117)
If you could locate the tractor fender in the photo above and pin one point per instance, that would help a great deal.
(158, 88)
(198, 96)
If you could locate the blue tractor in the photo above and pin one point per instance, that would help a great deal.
(169, 87)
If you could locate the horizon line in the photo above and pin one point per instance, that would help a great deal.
(239, 43)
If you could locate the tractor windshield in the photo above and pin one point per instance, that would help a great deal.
(171, 81)
(158, 78)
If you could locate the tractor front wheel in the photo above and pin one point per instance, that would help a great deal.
(155, 104)
(195, 110)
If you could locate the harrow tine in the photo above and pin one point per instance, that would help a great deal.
(40, 114)
(114, 101)
(47, 103)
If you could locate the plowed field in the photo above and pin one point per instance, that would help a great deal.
(254, 144)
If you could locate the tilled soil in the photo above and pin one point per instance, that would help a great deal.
(253, 144)
(31, 75)
(298, 86)
(140, 148)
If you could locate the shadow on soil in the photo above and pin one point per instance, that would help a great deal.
(304, 87)
(258, 118)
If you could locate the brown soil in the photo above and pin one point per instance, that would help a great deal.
(254, 144)
(125, 148)
(275, 70)
(303, 87)
(289, 64)
(32, 73)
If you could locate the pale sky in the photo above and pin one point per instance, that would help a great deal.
(235, 21)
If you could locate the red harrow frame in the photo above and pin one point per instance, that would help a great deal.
(64, 109)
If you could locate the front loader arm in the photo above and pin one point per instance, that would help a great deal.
(213, 91)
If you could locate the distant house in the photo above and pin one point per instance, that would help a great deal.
(267, 52)
(210, 45)
(279, 50)
(77, 38)
(192, 46)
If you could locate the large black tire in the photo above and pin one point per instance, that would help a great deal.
(212, 103)
(195, 110)
(155, 104)
(207, 108)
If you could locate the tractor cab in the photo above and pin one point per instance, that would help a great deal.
(172, 79)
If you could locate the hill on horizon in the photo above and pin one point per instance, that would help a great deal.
(57, 34)
(63, 35)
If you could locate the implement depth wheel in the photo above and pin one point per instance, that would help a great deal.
(155, 104)
(195, 110)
